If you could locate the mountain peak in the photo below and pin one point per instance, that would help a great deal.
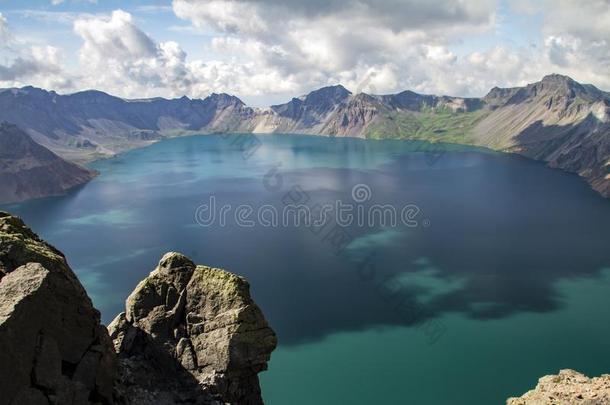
(223, 100)
(310, 108)
(556, 86)
(557, 78)
(224, 97)
(335, 93)
(560, 82)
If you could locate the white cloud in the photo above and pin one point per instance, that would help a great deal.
(583, 19)
(114, 38)
(58, 2)
(316, 43)
(4, 31)
(118, 57)
(258, 16)
(403, 44)
(576, 37)
(37, 65)
(282, 48)
(23, 63)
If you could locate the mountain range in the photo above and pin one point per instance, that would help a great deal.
(556, 120)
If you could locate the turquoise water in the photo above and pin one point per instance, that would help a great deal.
(504, 277)
(473, 363)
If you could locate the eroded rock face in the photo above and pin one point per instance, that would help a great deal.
(567, 388)
(196, 322)
(54, 350)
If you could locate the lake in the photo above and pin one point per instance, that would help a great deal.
(494, 272)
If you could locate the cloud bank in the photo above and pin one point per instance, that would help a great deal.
(289, 47)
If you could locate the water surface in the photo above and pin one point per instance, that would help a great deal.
(504, 279)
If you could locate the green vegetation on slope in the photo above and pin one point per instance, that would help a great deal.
(429, 125)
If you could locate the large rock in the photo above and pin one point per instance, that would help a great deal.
(54, 349)
(190, 334)
(567, 388)
(195, 322)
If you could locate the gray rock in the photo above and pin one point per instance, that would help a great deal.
(199, 322)
(30, 396)
(47, 368)
(189, 334)
(52, 341)
(567, 388)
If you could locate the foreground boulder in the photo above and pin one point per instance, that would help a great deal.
(567, 388)
(197, 322)
(190, 334)
(54, 349)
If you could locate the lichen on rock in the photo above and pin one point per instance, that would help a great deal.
(19, 246)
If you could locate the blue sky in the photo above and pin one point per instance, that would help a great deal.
(44, 22)
(266, 51)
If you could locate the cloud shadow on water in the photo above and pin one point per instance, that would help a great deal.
(503, 232)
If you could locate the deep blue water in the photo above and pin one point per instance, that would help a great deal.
(503, 277)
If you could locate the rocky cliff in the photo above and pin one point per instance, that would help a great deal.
(190, 334)
(29, 170)
(556, 120)
(567, 388)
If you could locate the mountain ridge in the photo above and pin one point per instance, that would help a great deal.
(556, 120)
(29, 170)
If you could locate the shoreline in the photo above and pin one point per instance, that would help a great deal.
(480, 148)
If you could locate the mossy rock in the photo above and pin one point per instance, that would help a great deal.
(19, 246)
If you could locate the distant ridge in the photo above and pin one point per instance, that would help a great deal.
(556, 120)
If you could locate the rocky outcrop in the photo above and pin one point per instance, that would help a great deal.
(54, 350)
(190, 334)
(29, 170)
(197, 322)
(567, 388)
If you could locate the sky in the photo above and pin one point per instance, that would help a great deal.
(268, 51)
